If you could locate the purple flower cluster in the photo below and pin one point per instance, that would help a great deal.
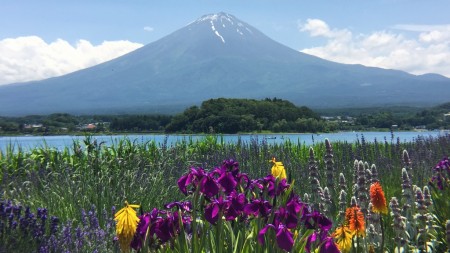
(227, 177)
(161, 224)
(226, 193)
(285, 219)
(441, 173)
(25, 225)
(21, 230)
(294, 216)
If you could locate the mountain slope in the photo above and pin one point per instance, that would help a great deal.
(217, 56)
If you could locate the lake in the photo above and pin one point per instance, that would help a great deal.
(62, 141)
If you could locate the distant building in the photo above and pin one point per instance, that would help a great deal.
(33, 126)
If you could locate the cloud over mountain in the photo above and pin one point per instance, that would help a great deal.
(31, 58)
(427, 51)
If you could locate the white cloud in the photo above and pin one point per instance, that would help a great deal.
(31, 58)
(426, 51)
(149, 29)
(317, 28)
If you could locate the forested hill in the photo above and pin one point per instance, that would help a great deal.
(226, 115)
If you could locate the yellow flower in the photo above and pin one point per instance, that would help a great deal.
(343, 237)
(278, 170)
(127, 222)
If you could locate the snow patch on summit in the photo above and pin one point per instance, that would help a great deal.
(216, 32)
(221, 21)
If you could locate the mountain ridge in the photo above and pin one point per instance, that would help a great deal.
(215, 56)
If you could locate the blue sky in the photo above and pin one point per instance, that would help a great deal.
(40, 39)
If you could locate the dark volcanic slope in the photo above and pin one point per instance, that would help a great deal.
(217, 56)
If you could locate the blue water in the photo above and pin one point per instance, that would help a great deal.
(60, 142)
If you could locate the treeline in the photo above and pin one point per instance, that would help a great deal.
(430, 118)
(233, 116)
(60, 123)
(140, 123)
(246, 115)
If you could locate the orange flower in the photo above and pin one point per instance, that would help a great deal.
(355, 220)
(377, 199)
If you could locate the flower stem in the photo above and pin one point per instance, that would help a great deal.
(219, 228)
(196, 206)
(382, 233)
(357, 243)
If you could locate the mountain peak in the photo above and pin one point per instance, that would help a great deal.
(222, 22)
(216, 56)
(217, 16)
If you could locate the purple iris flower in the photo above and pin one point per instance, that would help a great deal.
(256, 184)
(283, 235)
(258, 207)
(326, 243)
(243, 178)
(199, 178)
(317, 220)
(227, 181)
(269, 182)
(208, 186)
(194, 176)
(181, 205)
(230, 177)
(165, 230)
(282, 186)
(311, 239)
(236, 206)
(294, 205)
(183, 182)
(329, 246)
(283, 216)
(213, 209)
(145, 221)
(168, 227)
(139, 236)
(233, 167)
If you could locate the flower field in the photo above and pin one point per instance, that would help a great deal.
(212, 196)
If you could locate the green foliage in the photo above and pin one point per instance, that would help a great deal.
(245, 115)
(92, 175)
(403, 117)
(139, 123)
(62, 123)
(233, 116)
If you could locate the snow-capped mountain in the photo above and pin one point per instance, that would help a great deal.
(214, 56)
(225, 23)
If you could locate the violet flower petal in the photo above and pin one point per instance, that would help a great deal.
(284, 239)
(262, 232)
(227, 181)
